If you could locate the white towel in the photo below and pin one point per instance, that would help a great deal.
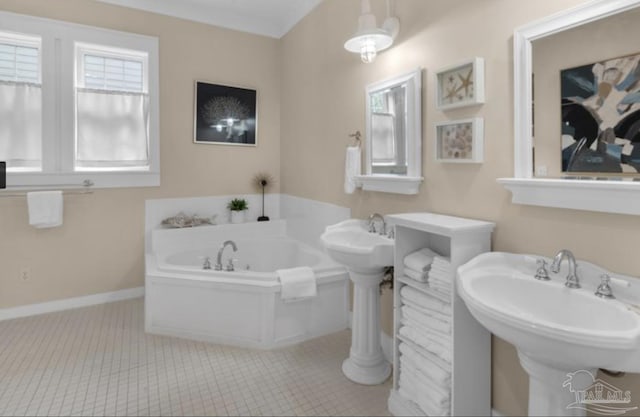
(409, 392)
(427, 361)
(425, 300)
(420, 260)
(426, 310)
(425, 320)
(420, 339)
(437, 394)
(352, 168)
(415, 275)
(45, 209)
(435, 336)
(297, 283)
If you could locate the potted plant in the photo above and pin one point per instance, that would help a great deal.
(238, 208)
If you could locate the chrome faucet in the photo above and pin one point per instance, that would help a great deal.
(572, 277)
(372, 224)
(218, 266)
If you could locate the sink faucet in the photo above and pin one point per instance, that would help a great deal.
(218, 266)
(572, 277)
(372, 225)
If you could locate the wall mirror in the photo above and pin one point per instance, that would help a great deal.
(393, 154)
(577, 106)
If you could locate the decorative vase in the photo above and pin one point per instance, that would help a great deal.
(237, 216)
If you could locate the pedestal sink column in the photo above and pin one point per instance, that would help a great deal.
(547, 395)
(366, 363)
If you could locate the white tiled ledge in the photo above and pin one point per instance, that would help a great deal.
(622, 197)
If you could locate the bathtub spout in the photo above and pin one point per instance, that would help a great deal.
(224, 245)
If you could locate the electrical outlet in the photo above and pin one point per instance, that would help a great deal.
(25, 273)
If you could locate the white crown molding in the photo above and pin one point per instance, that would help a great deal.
(272, 18)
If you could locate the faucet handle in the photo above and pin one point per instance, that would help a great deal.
(604, 289)
(230, 267)
(372, 227)
(207, 263)
(541, 273)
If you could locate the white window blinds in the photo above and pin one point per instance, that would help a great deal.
(20, 103)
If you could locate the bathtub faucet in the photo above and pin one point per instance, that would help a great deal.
(218, 266)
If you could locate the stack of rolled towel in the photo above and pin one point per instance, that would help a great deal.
(425, 349)
(427, 266)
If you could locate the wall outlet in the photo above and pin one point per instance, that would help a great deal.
(25, 273)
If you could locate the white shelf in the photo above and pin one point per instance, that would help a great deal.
(460, 240)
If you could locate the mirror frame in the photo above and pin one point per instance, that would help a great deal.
(604, 196)
(400, 184)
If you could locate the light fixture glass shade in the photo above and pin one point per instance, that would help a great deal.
(369, 43)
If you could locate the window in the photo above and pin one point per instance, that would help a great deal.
(77, 103)
(20, 102)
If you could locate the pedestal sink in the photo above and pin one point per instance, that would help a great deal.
(561, 334)
(365, 255)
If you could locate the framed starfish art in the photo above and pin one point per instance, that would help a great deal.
(460, 85)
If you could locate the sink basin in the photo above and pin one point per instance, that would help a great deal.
(560, 333)
(560, 326)
(351, 244)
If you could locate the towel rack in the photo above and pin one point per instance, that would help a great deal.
(358, 137)
(86, 189)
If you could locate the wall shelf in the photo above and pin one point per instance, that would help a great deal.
(460, 240)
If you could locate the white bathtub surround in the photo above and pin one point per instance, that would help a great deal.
(45, 209)
(242, 307)
(297, 283)
(306, 219)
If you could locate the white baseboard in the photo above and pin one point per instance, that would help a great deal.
(70, 303)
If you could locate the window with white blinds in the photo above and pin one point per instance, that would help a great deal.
(20, 102)
(112, 109)
(77, 103)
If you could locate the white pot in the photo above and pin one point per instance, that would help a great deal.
(237, 216)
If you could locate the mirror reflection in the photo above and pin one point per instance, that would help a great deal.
(587, 100)
(388, 131)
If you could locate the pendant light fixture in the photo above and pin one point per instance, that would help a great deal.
(370, 39)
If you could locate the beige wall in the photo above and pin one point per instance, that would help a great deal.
(323, 101)
(100, 248)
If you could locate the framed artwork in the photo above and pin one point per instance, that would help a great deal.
(601, 117)
(460, 141)
(225, 115)
(460, 85)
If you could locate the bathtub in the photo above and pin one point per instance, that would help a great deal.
(243, 307)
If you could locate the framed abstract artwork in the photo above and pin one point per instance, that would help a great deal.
(460, 85)
(601, 117)
(225, 115)
(460, 141)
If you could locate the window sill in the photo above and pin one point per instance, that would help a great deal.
(620, 197)
(30, 181)
(397, 184)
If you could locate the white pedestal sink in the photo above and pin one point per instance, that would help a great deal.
(562, 335)
(365, 255)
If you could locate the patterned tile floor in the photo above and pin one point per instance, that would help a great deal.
(99, 361)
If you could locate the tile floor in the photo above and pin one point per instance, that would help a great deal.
(99, 361)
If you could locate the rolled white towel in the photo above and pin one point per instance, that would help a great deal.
(416, 337)
(425, 300)
(428, 311)
(429, 409)
(415, 275)
(435, 336)
(426, 365)
(425, 320)
(420, 260)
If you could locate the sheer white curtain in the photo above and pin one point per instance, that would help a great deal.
(112, 129)
(21, 125)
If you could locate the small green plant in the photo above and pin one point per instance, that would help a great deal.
(238, 204)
